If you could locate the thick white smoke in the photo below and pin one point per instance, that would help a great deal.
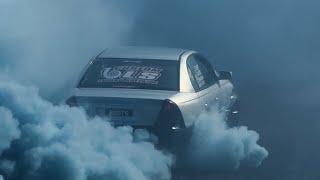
(39, 140)
(8, 127)
(215, 146)
(61, 142)
(58, 142)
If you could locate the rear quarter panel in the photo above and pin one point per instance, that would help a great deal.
(189, 105)
(193, 104)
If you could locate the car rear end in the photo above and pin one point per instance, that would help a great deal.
(132, 92)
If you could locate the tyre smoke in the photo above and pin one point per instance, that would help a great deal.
(43, 141)
(215, 146)
(40, 140)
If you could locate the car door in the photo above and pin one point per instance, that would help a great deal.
(204, 81)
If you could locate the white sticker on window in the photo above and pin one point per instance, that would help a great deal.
(132, 74)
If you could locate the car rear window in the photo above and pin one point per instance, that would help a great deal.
(132, 74)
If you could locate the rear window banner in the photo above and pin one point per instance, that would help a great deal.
(132, 74)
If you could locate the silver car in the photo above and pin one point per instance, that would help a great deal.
(163, 90)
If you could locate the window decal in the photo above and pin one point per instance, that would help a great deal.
(135, 74)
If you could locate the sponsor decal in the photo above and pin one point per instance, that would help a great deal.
(131, 74)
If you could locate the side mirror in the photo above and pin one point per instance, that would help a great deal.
(225, 75)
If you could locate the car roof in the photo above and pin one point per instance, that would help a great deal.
(143, 53)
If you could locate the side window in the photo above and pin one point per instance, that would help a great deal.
(207, 71)
(191, 63)
(201, 72)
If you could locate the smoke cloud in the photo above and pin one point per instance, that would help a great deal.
(40, 140)
(216, 146)
(8, 127)
(58, 142)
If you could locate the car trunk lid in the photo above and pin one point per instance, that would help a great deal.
(123, 107)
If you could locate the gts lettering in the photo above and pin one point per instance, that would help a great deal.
(131, 73)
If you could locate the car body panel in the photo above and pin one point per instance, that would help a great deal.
(126, 111)
(125, 93)
(189, 105)
(185, 83)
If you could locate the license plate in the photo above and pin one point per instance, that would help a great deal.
(119, 112)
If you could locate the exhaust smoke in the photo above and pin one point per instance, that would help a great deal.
(58, 142)
(8, 127)
(40, 140)
(215, 146)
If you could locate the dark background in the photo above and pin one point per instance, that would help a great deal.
(272, 48)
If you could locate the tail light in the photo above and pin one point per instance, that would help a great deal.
(169, 123)
(171, 116)
(72, 101)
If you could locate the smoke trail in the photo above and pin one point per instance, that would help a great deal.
(8, 127)
(215, 146)
(8, 132)
(39, 140)
(58, 142)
